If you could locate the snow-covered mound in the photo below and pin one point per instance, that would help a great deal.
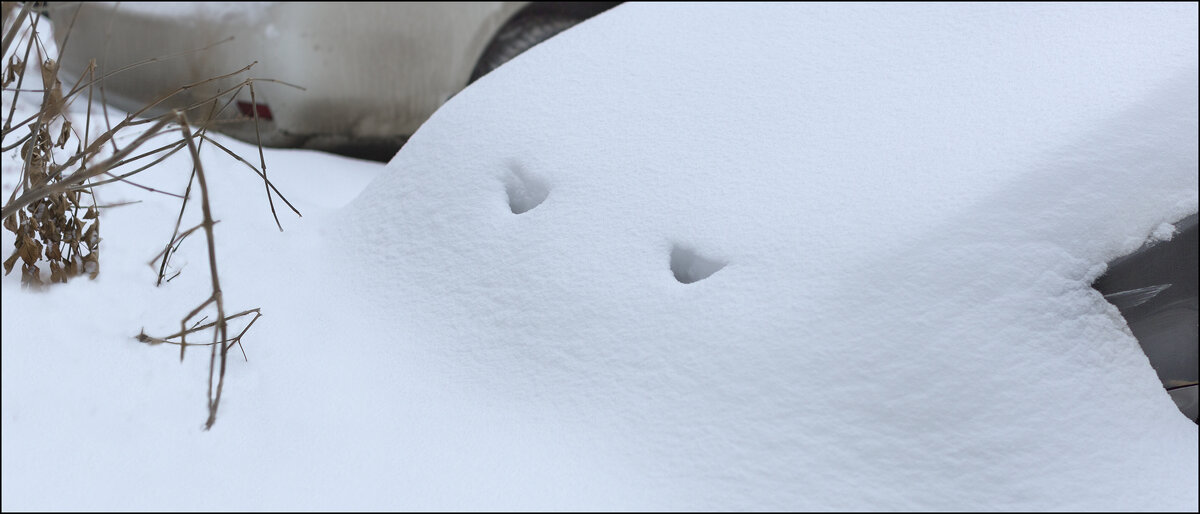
(706, 256)
(812, 256)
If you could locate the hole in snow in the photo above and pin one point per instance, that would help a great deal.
(689, 266)
(524, 192)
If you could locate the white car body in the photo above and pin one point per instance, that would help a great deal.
(371, 73)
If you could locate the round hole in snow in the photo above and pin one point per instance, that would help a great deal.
(689, 266)
(524, 191)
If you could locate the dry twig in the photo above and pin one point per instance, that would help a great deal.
(45, 209)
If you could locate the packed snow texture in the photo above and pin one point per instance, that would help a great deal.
(717, 256)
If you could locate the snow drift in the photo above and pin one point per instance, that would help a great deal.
(717, 256)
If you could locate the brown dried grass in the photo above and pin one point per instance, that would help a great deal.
(53, 211)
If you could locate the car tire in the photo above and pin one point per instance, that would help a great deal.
(519, 35)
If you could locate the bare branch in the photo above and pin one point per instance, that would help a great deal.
(46, 189)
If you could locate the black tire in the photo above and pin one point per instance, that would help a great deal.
(519, 35)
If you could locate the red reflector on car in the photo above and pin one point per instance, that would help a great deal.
(249, 109)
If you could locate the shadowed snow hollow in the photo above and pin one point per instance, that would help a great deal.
(813, 256)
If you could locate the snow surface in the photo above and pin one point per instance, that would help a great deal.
(889, 216)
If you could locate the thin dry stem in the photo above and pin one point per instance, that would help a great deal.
(221, 329)
(46, 189)
(53, 181)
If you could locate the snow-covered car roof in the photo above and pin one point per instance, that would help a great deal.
(816, 256)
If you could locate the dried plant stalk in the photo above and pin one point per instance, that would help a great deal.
(52, 210)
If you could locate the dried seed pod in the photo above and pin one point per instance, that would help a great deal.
(31, 275)
(64, 134)
(57, 273)
(31, 251)
(10, 261)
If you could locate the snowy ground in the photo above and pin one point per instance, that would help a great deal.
(889, 216)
